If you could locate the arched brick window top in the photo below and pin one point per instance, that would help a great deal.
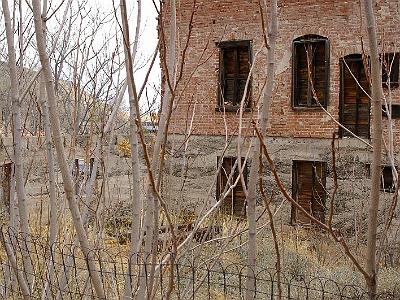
(310, 72)
(310, 38)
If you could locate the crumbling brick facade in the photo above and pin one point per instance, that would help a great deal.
(340, 22)
(294, 133)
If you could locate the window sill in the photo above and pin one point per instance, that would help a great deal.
(231, 109)
(301, 108)
(393, 85)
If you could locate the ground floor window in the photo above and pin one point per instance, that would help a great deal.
(6, 171)
(308, 184)
(235, 201)
(387, 180)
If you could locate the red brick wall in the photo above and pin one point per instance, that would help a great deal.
(217, 20)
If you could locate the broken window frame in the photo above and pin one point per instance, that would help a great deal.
(304, 41)
(391, 61)
(233, 45)
(353, 58)
(230, 205)
(320, 215)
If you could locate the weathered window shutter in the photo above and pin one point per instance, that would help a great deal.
(320, 72)
(300, 77)
(221, 83)
(309, 181)
(235, 60)
(235, 201)
(354, 102)
(239, 196)
(310, 71)
(319, 193)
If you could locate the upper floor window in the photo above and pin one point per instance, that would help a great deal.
(234, 69)
(354, 105)
(310, 75)
(394, 110)
(390, 69)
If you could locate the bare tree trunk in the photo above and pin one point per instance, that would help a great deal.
(153, 206)
(23, 284)
(17, 137)
(52, 176)
(64, 273)
(13, 224)
(65, 172)
(253, 176)
(377, 96)
(52, 183)
(133, 138)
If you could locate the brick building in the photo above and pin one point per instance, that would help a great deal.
(322, 40)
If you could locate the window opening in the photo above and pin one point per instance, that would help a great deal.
(308, 183)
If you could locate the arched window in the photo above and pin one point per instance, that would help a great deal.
(310, 72)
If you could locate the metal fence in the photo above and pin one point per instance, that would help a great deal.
(192, 280)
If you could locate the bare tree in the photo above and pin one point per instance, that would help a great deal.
(17, 136)
(133, 137)
(56, 131)
(263, 119)
(377, 97)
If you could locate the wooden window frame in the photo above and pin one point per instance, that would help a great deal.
(295, 190)
(230, 199)
(221, 77)
(387, 188)
(303, 40)
(394, 59)
(350, 58)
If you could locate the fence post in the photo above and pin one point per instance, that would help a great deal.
(208, 283)
(193, 278)
(272, 288)
(161, 280)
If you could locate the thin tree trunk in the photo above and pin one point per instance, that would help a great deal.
(52, 185)
(133, 138)
(65, 172)
(13, 223)
(23, 284)
(152, 201)
(377, 96)
(253, 176)
(65, 272)
(17, 137)
(52, 176)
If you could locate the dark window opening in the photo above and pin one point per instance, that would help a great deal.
(310, 72)
(308, 184)
(387, 180)
(354, 101)
(235, 201)
(390, 69)
(394, 111)
(6, 184)
(234, 69)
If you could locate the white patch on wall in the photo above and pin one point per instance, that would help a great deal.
(284, 63)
